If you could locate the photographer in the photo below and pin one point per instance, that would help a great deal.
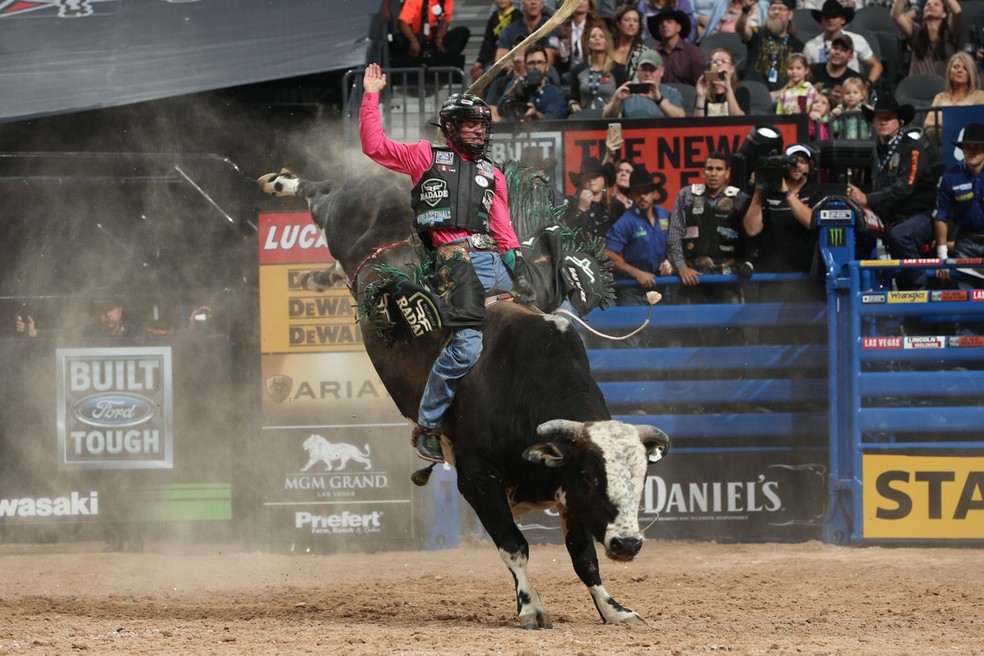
(779, 221)
(646, 98)
(532, 97)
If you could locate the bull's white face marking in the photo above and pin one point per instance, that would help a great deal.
(625, 465)
(559, 322)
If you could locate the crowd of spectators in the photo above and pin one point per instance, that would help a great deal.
(602, 48)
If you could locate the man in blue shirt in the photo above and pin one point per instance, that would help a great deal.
(636, 243)
(960, 200)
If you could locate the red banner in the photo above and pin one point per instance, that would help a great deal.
(291, 238)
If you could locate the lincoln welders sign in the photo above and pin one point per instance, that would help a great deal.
(115, 408)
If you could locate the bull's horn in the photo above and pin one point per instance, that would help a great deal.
(647, 432)
(560, 427)
(563, 12)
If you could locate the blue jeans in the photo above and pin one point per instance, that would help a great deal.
(464, 349)
(904, 241)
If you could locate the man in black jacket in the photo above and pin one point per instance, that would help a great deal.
(903, 186)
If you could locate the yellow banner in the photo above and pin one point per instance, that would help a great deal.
(294, 320)
(940, 498)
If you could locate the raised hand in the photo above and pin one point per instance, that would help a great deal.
(374, 79)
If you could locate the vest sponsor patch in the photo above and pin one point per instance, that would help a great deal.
(433, 191)
(443, 157)
(481, 181)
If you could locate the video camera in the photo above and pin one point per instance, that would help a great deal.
(522, 93)
(769, 171)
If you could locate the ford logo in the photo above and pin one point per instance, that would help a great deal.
(114, 410)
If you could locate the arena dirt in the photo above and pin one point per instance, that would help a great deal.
(698, 598)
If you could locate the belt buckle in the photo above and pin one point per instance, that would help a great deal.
(481, 241)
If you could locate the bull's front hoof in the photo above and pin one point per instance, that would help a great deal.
(538, 620)
(633, 619)
(278, 184)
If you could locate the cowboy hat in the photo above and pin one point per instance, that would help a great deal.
(640, 178)
(833, 7)
(972, 133)
(653, 22)
(590, 167)
(888, 104)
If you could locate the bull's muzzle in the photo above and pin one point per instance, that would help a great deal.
(624, 548)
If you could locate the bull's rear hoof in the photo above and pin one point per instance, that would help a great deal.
(278, 184)
(422, 476)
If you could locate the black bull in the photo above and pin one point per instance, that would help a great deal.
(529, 428)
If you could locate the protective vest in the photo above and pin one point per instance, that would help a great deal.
(454, 193)
(709, 231)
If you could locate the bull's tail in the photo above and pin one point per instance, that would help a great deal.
(286, 183)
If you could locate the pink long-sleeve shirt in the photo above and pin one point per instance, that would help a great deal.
(416, 159)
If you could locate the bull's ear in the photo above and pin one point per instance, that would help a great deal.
(551, 454)
(657, 442)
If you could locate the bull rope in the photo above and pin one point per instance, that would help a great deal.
(373, 253)
(652, 297)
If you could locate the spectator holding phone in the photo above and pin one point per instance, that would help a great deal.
(647, 97)
(719, 91)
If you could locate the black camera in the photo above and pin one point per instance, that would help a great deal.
(769, 172)
(531, 84)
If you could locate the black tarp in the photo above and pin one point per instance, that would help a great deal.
(59, 56)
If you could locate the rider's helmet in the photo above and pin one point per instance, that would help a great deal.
(461, 107)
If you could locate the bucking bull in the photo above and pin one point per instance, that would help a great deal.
(529, 428)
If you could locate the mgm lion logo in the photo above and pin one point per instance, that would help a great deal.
(321, 450)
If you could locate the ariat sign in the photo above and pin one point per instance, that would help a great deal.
(940, 498)
(114, 408)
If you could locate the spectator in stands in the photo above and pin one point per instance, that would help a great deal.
(820, 116)
(428, 42)
(847, 122)
(903, 184)
(504, 13)
(594, 82)
(636, 244)
(977, 42)
(588, 208)
(533, 17)
(725, 15)
(798, 94)
(683, 62)
(25, 323)
(963, 87)
(705, 234)
(618, 171)
(960, 202)
(573, 46)
(505, 80)
(780, 223)
(770, 45)
(724, 95)
(652, 7)
(835, 70)
(832, 18)
(658, 101)
(533, 97)
(627, 36)
(934, 40)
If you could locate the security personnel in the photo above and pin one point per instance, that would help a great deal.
(960, 200)
(902, 186)
(705, 234)
(461, 207)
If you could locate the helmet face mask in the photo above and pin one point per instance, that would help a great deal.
(457, 109)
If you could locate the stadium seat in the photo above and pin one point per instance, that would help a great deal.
(761, 100)
(689, 94)
(874, 18)
(919, 90)
(806, 27)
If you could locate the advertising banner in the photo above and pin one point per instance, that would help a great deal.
(334, 463)
(673, 150)
(115, 408)
(923, 497)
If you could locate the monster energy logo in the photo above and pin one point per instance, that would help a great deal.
(836, 237)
